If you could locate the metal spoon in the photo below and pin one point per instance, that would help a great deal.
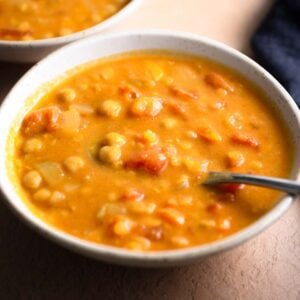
(288, 186)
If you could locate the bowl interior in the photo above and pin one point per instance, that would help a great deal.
(97, 47)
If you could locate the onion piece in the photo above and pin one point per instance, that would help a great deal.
(51, 172)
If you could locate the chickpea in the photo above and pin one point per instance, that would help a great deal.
(180, 241)
(196, 166)
(74, 163)
(115, 139)
(96, 18)
(139, 243)
(57, 197)
(27, 37)
(142, 207)
(235, 159)
(110, 108)
(146, 106)
(48, 35)
(24, 7)
(24, 26)
(107, 73)
(185, 145)
(175, 161)
(169, 123)
(208, 223)
(32, 180)
(222, 92)
(65, 31)
(32, 145)
(192, 134)
(224, 225)
(110, 153)
(123, 227)
(257, 165)
(183, 182)
(42, 195)
(67, 95)
(110, 8)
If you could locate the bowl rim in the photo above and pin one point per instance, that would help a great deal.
(151, 258)
(87, 32)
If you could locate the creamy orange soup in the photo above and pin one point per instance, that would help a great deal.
(116, 153)
(27, 20)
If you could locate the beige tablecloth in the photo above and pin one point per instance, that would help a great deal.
(267, 267)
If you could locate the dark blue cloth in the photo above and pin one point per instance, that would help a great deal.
(276, 45)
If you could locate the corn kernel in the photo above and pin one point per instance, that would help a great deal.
(150, 137)
(110, 108)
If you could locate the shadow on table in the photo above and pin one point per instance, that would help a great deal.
(8, 74)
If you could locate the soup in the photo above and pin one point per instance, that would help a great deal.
(26, 20)
(116, 152)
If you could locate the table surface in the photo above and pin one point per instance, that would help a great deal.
(267, 267)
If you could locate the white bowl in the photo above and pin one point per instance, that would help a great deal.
(101, 46)
(33, 51)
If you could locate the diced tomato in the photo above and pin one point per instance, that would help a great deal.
(245, 139)
(228, 197)
(177, 108)
(129, 91)
(133, 194)
(152, 160)
(231, 187)
(180, 92)
(217, 81)
(44, 119)
(154, 233)
(214, 208)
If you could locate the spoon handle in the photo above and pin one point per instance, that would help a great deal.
(288, 186)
